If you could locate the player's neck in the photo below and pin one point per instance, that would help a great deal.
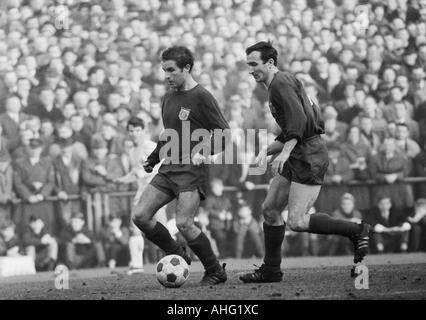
(271, 75)
(189, 84)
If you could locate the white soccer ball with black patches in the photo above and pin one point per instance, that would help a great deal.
(172, 271)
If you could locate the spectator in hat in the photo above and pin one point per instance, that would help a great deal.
(9, 242)
(110, 135)
(40, 245)
(34, 180)
(391, 226)
(67, 167)
(418, 226)
(81, 249)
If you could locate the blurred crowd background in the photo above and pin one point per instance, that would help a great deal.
(73, 72)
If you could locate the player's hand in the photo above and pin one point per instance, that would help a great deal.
(260, 160)
(147, 167)
(278, 163)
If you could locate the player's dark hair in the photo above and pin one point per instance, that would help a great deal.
(181, 55)
(136, 122)
(267, 51)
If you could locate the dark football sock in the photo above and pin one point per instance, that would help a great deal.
(161, 237)
(322, 223)
(203, 250)
(274, 237)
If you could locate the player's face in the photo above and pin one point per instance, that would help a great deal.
(257, 68)
(175, 76)
(135, 133)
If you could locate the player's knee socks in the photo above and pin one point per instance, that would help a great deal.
(203, 250)
(161, 237)
(274, 237)
(322, 223)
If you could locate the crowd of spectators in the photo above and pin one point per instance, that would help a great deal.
(73, 72)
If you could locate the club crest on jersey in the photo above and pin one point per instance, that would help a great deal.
(184, 114)
(272, 108)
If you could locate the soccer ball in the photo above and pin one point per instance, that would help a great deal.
(172, 271)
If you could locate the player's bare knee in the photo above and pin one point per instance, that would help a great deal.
(271, 216)
(297, 223)
(184, 224)
(141, 218)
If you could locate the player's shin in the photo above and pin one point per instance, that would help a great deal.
(322, 223)
(161, 237)
(274, 237)
(202, 248)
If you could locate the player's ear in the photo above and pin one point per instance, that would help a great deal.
(270, 62)
(187, 68)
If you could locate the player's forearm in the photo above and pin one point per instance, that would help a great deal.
(274, 147)
(154, 157)
(289, 146)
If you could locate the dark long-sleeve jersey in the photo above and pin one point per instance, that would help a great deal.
(298, 117)
(184, 112)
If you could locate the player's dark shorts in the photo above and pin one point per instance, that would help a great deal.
(308, 162)
(173, 182)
